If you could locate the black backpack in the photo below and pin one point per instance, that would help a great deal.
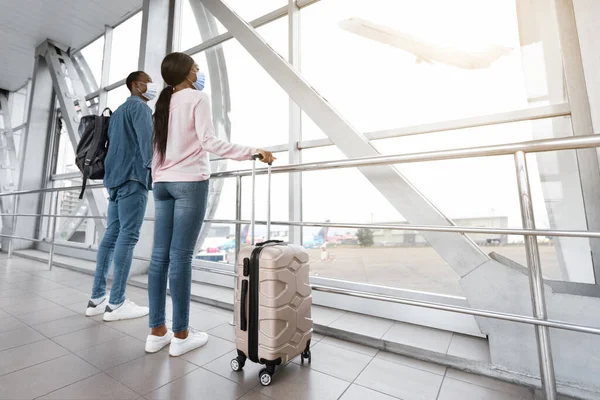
(92, 147)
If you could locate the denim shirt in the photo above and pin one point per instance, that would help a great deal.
(129, 156)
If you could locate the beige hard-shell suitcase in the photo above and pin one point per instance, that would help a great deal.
(273, 303)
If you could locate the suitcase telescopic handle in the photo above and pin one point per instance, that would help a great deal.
(253, 215)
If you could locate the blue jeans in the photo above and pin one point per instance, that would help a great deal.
(180, 208)
(126, 210)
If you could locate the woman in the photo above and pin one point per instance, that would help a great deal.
(183, 138)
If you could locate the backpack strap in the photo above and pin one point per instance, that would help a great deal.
(91, 154)
(84, 184)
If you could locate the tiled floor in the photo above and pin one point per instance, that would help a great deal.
(49, 350)
(346, 323)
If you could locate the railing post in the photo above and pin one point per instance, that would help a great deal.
(11, 244)
(53, 232)
(238, 240)
(536, 280)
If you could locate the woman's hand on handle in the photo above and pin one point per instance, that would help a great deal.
(266, 156)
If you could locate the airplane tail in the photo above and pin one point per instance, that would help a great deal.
(244, 238)
(323, 233)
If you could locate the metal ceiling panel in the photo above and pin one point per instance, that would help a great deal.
(25, 24)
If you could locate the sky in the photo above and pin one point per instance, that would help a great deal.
(374, 87)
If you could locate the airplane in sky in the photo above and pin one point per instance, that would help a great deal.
(425, 52)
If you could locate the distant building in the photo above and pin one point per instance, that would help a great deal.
(387, 237)
(219, 231)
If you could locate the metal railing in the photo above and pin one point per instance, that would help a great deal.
(517, 150)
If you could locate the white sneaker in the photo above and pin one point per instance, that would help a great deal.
(194, 340)
(128, 310)
(154, 344)
(96, 309)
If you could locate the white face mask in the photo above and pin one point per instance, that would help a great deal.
(151, 91)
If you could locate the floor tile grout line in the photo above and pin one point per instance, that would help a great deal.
(450, 343)
(388, 330)
(487, 387)
(89, 347)
(377, 391)
(337, 319)
(214, 359)
(345, 348)
(358, 375)
(171, 381)
(441, 384)
(325, 373)
(71, 384)
(16, 329)
(32, 312)
(127, 386)
(52, 320)
(21, 345)
(412, 366)
(123, 363)
(237, 383)
(36, 364)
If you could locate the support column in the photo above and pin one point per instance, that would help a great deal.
(560, 172)
(456, 249)
(8, 163)
(295, 133)
(588, 30)
(104, 79)
(34, 143)
(157, 36)
(581, 120)
(221, 106)
(156, 42)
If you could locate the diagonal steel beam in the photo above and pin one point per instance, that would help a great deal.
(456, 249)
(69, 89)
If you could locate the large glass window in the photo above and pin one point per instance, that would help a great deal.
(18, 107)
(249, 104)
(190, 29)
(251, 10)
(248, 98)
(125, 48)
(195, 31)
(93, 55)
(116, 97)
(65, 153)
(394, 63)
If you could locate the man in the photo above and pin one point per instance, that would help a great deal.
(127, 179)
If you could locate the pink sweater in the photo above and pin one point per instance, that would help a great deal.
(191, 139)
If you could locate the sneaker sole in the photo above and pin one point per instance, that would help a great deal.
(92, 312)
(108, 317)
(156, 348)
(172, 354)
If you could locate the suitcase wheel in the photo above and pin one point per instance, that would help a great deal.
(237, 364)
(265, 376)
(306, 356)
